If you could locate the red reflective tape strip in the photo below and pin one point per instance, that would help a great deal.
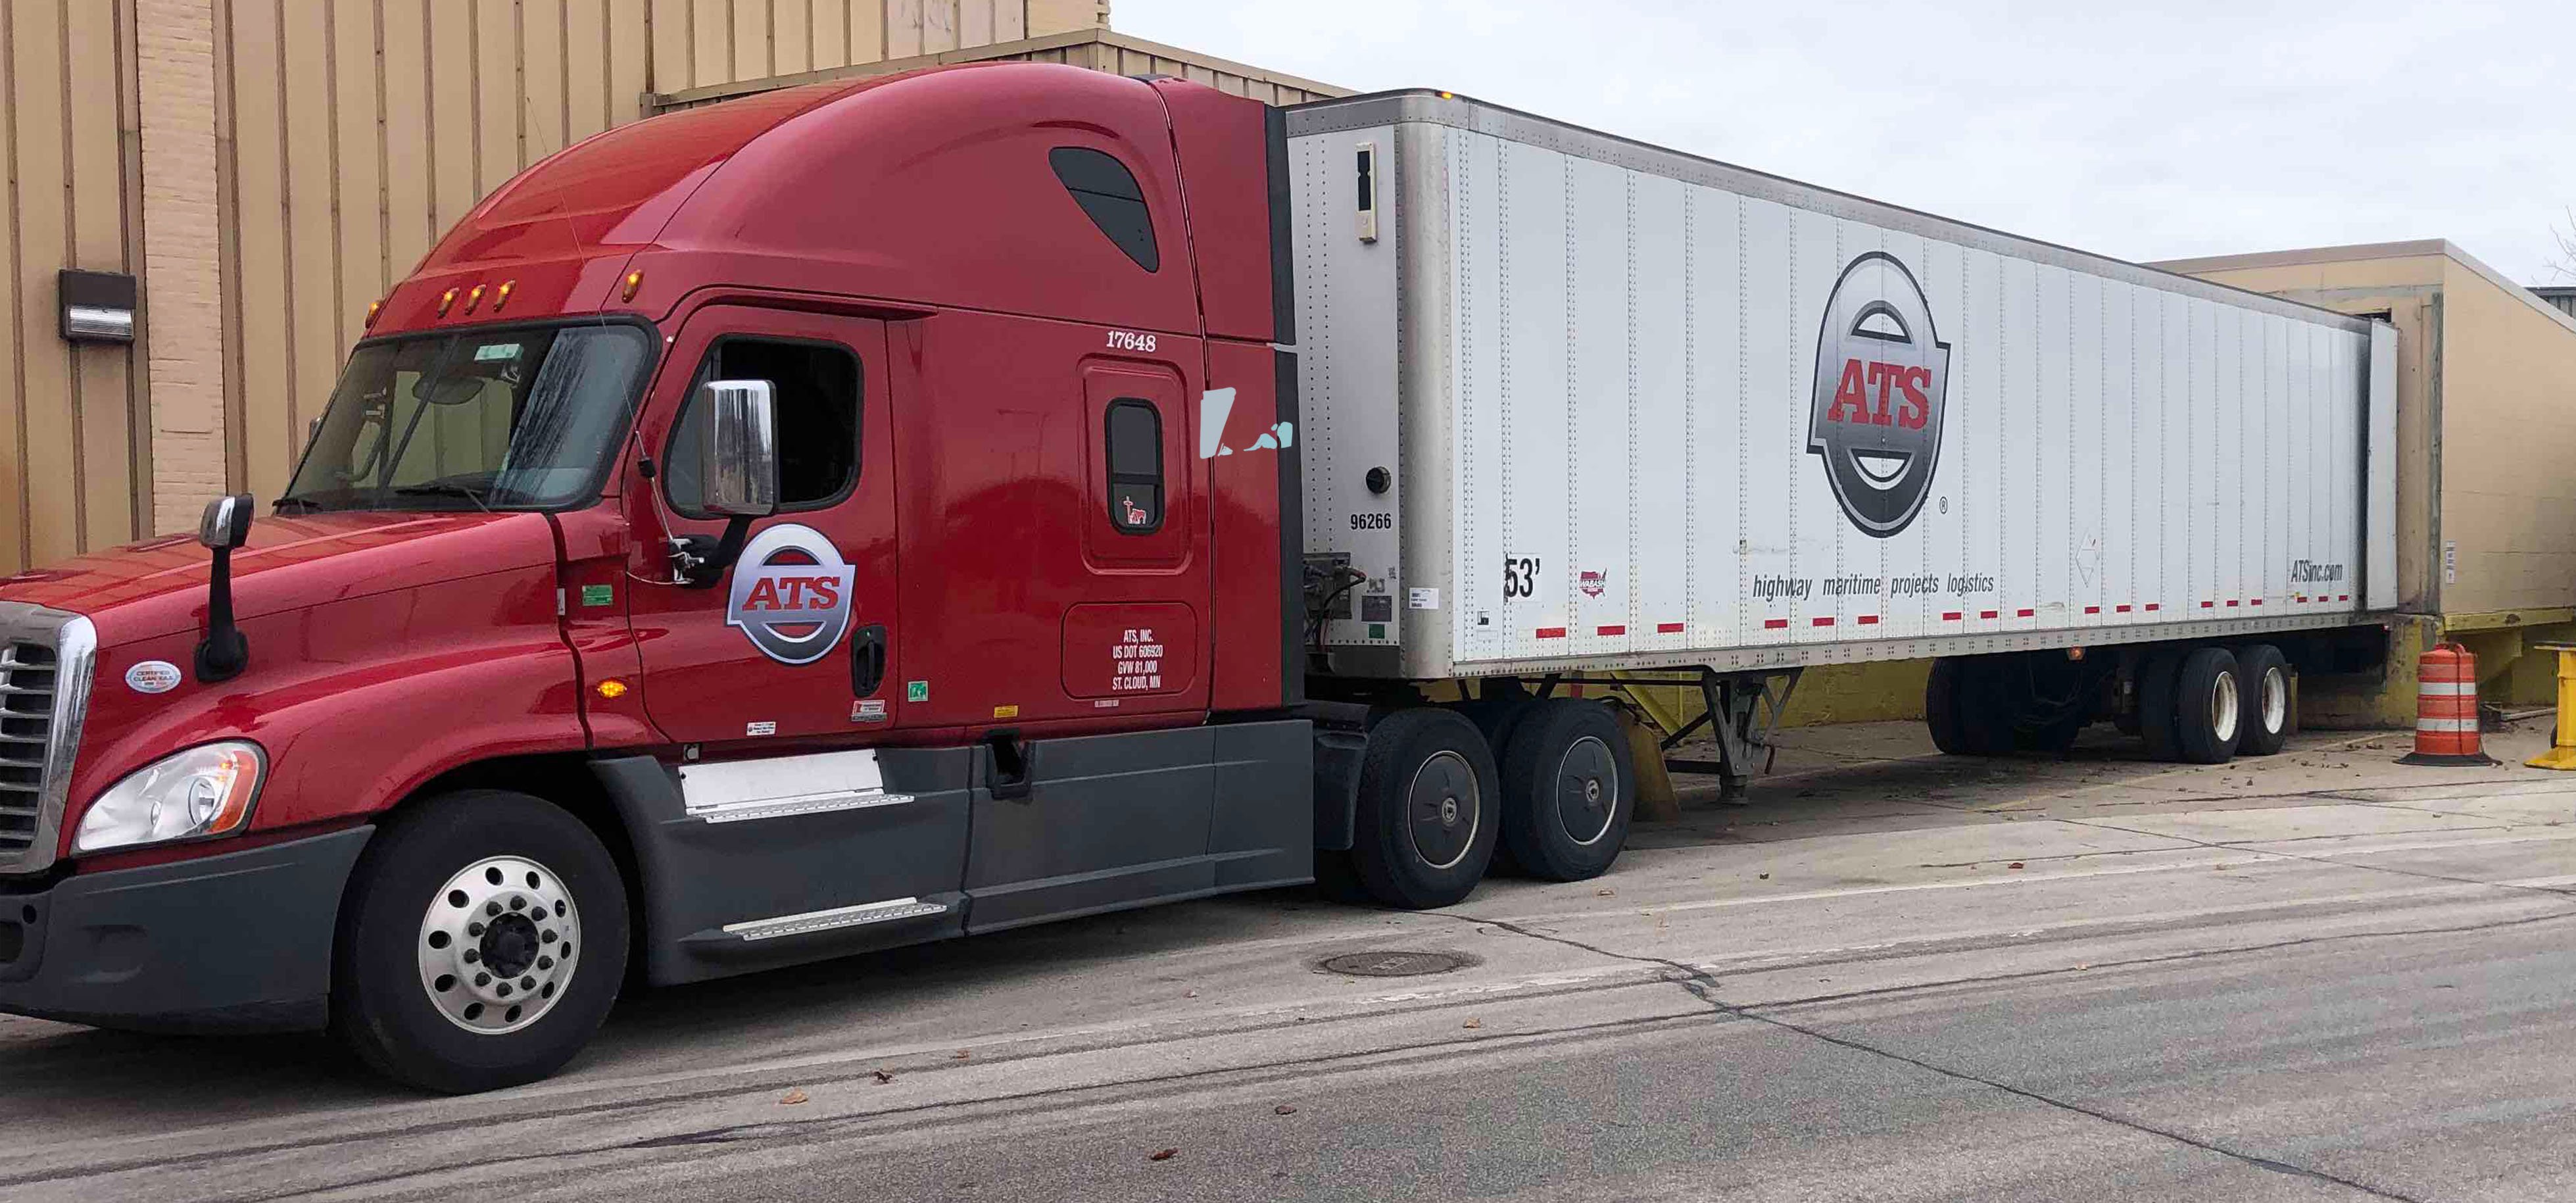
(2121, 609)
(1668, 628)
(2258, 601)
(1773, 624)
(1950, 616)
(2155, 605)
(1617, 630)
(2343, 597)
(2209, 605)
(1824, 622)
(2092, 609)
(1867, 620)
(2231, 603)
(2024, 613)
(1989, 613)
(2300, 597)
(1551, 632)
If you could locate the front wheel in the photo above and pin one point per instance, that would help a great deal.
(481, 945)
(1427, 810)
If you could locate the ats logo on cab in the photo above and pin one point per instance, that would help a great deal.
(1875, 412)
(791, 594)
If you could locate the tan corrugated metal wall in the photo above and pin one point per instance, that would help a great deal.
(69, 457)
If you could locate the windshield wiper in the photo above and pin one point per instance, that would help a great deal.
(306, 504)
(443, 488)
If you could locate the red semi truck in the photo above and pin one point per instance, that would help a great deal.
(864, 514)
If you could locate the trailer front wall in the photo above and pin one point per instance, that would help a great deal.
(1616, 424)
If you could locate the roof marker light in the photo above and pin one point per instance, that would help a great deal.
(446, 299)
(374, 308)
(502, 297)
(473, 298)
(634, 280)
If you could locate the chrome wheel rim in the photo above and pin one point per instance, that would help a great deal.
(1442, 811)
(2276, 700)
(497, 945)
(1587, 791)
(2223, 707)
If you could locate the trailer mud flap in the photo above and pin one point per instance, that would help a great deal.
(750, 865)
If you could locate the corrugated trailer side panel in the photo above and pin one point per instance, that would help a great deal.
(1640, 411)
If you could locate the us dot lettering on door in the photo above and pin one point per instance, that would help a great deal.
(1136, 662)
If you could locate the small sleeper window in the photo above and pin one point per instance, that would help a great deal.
(1135, 445)
(1108, 194)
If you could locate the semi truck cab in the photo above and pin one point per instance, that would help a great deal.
(845, 517)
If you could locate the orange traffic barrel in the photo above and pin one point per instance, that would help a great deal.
(2446, 709)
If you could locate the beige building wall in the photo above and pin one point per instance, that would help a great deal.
(71, 448)
(267, 168)
(2486, 388)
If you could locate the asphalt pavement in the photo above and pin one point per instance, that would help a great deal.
(1892, 976)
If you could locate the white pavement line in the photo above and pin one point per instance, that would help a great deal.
(2251, 854)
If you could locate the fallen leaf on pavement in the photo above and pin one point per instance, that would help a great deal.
(959, 1055)
(791, 1098)
(1165, 1155)
(2014, 865)
(1766, 877)
(1603, 893)
(882, 1076)
(1283, 1109)
(1473, 1023)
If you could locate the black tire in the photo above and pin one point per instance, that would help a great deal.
(1568, 790)
(390, 1012)
(2209, 706)
(2265, 674)
(2156, 684)
(1941, 707)
(1420, 841)
(1982, 707)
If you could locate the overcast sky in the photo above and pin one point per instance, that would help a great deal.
(2152, 129)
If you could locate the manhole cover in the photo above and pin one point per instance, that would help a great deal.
(1395, 964)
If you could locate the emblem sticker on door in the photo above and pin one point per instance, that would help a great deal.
(791, 594)
(1875, 412)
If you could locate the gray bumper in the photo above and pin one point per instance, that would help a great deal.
(235, 942)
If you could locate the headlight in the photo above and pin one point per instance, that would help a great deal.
(203, 791)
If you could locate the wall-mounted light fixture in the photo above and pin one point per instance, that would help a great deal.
(97, 307)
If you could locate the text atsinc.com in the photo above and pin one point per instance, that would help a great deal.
(1773, 588)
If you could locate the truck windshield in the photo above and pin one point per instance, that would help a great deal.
(500, 419)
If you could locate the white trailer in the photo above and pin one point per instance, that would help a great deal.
(1574, 405)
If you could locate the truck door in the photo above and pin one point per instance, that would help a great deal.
(794, 642)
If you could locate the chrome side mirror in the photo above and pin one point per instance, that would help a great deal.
(738, 464)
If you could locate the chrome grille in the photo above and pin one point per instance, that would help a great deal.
(45, 662)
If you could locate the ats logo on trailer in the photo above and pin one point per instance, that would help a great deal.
(791, 594)
(1875, 414)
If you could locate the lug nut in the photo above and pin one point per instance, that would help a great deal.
(472, 955)
(482, 979)
(528, 983)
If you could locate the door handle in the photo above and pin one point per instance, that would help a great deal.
(867, 660)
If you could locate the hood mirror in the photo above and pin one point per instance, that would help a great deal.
(224, 651)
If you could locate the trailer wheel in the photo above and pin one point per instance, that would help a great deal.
(1966, 698)
(2265, 673)
(482, 942)
(1941, 708)
(1567, 790)
(2209, 709)
(1428, 809)
(2156, 691)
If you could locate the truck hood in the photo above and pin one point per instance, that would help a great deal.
(158, 587)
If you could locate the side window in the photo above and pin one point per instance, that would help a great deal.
(1108, 194)
(1134, 439)
(817, 390)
